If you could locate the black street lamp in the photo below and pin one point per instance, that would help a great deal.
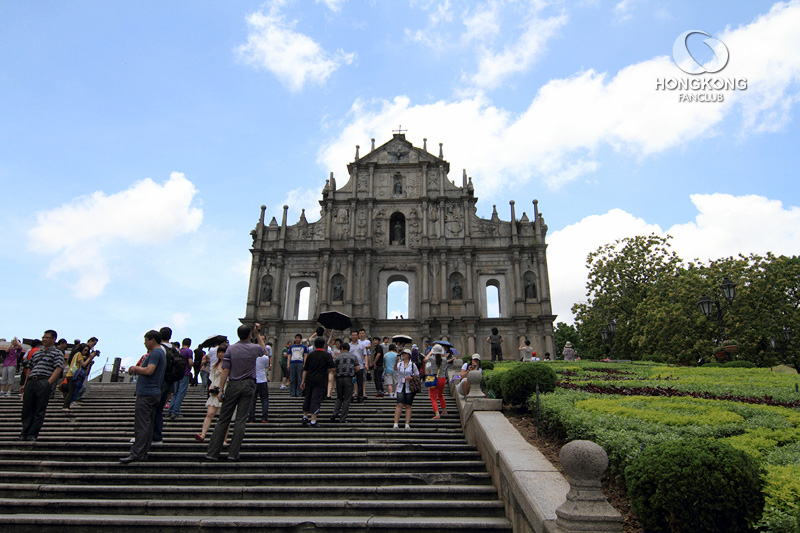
(707, 305)
(608, 333)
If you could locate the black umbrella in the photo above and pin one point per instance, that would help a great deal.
(401, 338)
(213, 340)
(334, 320)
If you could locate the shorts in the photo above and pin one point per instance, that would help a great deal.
(459, 387)
(405, 398)
(391, 380)
(8, 375)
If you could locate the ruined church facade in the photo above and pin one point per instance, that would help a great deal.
(400, 218)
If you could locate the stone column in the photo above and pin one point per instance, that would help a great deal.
(323, 301)
(369, 296)
(517, 279)
(426, 295)
(349, 288)
(468, 260)
(445, 294)
(279, 289)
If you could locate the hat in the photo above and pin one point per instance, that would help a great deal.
(568, 345)
(407, 351)
(476, 356)
(414, 347)
(437, 349)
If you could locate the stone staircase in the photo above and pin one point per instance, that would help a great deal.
(357, 477)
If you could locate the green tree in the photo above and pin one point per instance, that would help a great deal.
(623, 275)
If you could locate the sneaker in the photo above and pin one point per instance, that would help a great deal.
(408, 427)
(379, 395)
(283, 386)
(315, 424)
(395, 426)
(199, 438)
(132, 440)
(305, 421)
(157, 443)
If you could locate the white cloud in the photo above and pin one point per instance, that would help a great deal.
(294, 58)
(90, 234)
(180, 321)
(333, 5)
(725, 225)
(622, 11)
(495, 66)
(556, 138)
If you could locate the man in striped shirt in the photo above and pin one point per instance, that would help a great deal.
(44, 370)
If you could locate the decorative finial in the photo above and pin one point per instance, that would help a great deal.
(357, 147)
(373, 145)
(441, 153)
(425, 144)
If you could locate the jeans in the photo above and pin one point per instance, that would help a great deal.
(295, 377)
(238, 397)
(179, 393)
(78, 388)
(344, 394)
(34, 406)
(204, 379)
(262, 391)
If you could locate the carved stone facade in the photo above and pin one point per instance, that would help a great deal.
(399, 218)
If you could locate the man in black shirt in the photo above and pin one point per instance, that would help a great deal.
(317, 370)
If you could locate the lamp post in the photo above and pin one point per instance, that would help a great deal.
(788, 333)
(608, 333)
(706, 304)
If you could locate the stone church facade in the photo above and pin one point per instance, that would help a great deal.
(399, 218)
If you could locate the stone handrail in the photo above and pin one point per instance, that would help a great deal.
(538, 498)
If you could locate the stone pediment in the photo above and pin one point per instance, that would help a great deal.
(398, 151)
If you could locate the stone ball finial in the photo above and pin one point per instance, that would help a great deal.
(583, 460)
(474, 377)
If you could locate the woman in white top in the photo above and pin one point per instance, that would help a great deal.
(474, 364)
(527, 351)
(213, 404)
(405, 369)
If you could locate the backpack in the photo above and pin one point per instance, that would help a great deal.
(176, 364)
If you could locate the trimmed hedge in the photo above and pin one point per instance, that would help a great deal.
(654, 358)
(696, 485)
(740, 364)
(519, 383)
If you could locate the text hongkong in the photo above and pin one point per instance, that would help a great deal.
(701, 84)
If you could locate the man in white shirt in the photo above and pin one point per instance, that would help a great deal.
(263, 367)
(358, 349)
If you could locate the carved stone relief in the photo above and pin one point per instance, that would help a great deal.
(341, 228)
(383, 186)
(363, 182)
(361, 223)
(453, 221)
(379, 227)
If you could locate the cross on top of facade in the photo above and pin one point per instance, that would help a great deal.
(399, 129)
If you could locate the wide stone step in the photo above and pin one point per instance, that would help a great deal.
(36, 523)
(244, 465)
(340, 507)
(259, 492)
(248, 479)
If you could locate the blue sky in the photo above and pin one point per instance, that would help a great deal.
(138, 139)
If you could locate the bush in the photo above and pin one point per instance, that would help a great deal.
(494, 382)
(696, 485)
(713, 365)
(487, 365)
(654, 358)
(520, 382)
(740, 364)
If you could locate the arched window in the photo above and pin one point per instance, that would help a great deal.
(493, 299)
(303, 300)
(397, 229)
(397, 298)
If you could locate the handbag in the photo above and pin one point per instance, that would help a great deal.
(414, 383)
(432, 381)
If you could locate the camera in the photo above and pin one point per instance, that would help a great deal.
(213, 391)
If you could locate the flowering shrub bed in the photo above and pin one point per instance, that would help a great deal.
(751, 409)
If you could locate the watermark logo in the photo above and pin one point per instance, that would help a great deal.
(685, 60)
(701, 86)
